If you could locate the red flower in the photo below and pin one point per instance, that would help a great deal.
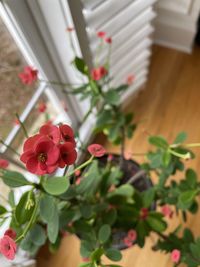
(85, 259)
(67, 133)
(11, 233)
(78, 181)
(3, 163)
(42, 107)
(16, 122)
(96, 150)
(8, 247)
(68, 154)
(101, 34)
(130, 79)
(40, 155)
(175, 255)
(132, 235)
(29, 75)
(98, 73)
(166, 211)
(108, 40)
(70, 29)
(77, 173)
(144, 213)
(51, 131)
(128, 242)
(110, 157)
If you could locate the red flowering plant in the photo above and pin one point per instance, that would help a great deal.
(95, 200)
(91, 201)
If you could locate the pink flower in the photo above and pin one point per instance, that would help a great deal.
(167, 212)
(3, 163)
(130, 79)
(110, 157)
(51, 131)
(29, 75)
(16, 122)
(101, 34)
(85, 259)
(98, 73)
(8, 247)
(78, 181)
(11, 233)
(108, 40)
(68, 154)
(132, 235)
(96, 150)
(127, 242)
(175, 255)
(67, 133)
(144, 213)
(42, 107)
(77, 173)
(70, 29)
(40, 155)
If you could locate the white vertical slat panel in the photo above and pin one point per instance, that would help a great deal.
(128, 22)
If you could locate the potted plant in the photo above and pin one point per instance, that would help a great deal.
(108, 206)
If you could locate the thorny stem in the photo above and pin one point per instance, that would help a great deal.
(122, 148)
(81, 166)
(9, 147)
(22, 125)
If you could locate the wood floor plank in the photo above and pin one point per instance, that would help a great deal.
(170, 103)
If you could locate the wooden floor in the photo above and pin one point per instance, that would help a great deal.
(169, 103)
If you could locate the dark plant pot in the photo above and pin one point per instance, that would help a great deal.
(142, 183)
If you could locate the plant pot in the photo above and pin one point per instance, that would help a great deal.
(141, 182)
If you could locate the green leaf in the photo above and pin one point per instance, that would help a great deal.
(180, 138)
(14, 179)
(148, 197)
(11, 198)
(104, 233)
(166, 158)
(113, 254)
(156, 224)
(47, 206)
(56, 185)
(37, 235)
(112, 97)
(125, 190)
(85, 264)
(186, 198)
(53, 226)
(158, 141)
(80, 65)
(191, 177)
(23, 211)
(122, 88)
(2, 210)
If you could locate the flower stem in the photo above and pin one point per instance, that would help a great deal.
(81, 166)
(9, 147)
(22, 125)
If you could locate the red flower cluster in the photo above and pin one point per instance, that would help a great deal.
(3, 163)
(51, 148)
(130, 238)
(8, 246)
(98, 73)
(29, 75)
(96, 150)
(102, 35)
